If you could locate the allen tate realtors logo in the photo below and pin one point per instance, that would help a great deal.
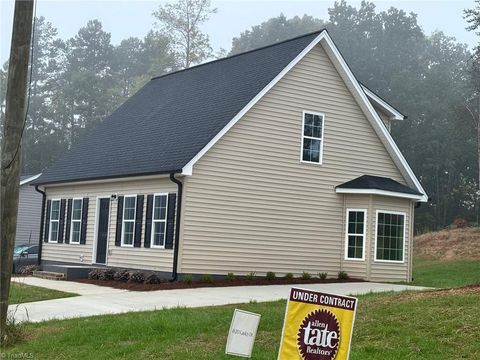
(319, 336)
(317, 326)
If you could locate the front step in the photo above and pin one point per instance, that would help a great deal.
(50, 275)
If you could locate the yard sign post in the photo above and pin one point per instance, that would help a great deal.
(317, 326)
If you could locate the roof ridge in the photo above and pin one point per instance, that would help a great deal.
(242, 53)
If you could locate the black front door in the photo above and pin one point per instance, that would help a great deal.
(102, 231)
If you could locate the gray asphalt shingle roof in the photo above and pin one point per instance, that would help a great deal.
(167, 122)
(377, 183)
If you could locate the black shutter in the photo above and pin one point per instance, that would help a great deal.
(137, 242)
(61, 223)
(47, 221)
(83, 231)
(148, 221)
(172, 202)
(69, 221)
(118, 232)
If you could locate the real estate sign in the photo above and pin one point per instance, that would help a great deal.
(241, 335)
(317, 326)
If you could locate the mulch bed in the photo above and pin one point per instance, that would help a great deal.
(166, 285)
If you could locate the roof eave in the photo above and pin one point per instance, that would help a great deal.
(392, 113)
(106, 178)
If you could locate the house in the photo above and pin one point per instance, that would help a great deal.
(29, 209)
(275, 159)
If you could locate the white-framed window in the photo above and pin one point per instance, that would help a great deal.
(76, 221)
(312, 137)
(54, 221)
(128, 222)
(355, 234)
(159, 220)
(390, 236)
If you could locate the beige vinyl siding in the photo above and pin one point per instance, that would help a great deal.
(140, 258)
(384, 271)
(251, 205)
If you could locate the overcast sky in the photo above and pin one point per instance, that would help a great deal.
(134, 18)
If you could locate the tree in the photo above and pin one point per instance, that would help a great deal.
(43, 68)
(181, 21)
(274, 30)
(473, 101)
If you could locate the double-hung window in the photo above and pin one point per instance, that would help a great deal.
(312, 137)
(159, 220)
(76, 222)
(129, 213)
(355, 234)
(54, 221)
(390, 237)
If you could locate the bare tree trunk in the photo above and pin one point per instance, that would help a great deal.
(11, 148)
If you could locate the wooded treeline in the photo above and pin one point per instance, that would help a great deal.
(429, 77)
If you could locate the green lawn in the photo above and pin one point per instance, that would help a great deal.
(21, 293)
(446, 273)
(388, 326)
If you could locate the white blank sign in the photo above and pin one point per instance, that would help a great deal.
(242, 333)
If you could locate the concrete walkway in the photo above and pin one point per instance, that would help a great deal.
(98, 300)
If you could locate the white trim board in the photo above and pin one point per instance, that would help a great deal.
(29, 179)
(393, 113)
(379, 192)
(355, 88)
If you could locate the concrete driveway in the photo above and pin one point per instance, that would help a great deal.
(98, 300)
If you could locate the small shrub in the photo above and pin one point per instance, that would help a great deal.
(342, 275)
(94, 274)
(288, 276)
(460, 223)
(271, 275)
(14, 333)
(137, 277)
(230, 277)
(322, 275)
(152, 278)
(206, 278)
(28, 269)
(250, 275)
(306, 275)
(106, 274)
(121, 275)
(188, 278)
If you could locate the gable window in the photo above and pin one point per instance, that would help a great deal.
(129, 213)
(390, 237)
(312, 137)
(76, 225)
(159, 220)
(54, 221)
(355, 234)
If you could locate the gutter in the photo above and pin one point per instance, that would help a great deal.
(177, 226)
(42, 220)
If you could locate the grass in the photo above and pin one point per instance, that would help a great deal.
(445, 273)
(22, 293)
(388, 326)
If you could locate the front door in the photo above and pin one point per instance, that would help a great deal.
(102, 231)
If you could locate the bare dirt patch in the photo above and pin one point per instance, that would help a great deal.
(449, 244)
(165, 285)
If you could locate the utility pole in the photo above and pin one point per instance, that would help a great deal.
(15, 111)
